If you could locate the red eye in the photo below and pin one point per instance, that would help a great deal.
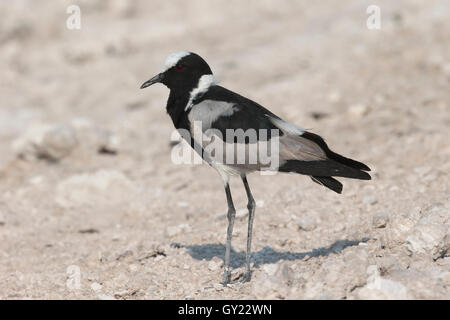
(180, 67)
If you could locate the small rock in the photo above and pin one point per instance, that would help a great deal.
(102, 188)
(109, 145)
(127, 253)
(400, 226)
(173, 230)
(94, 138)
(120, 294)
(380, 219)
(334, 96)
(96, 286)
(88, 230)
(182, 204)
(306, 223)
(370, 199)
(270, 269)
(212, 266)
(157, 252)
(260, 203)
(429, 237)
(380, 288)
(422, 171)
(242, 213)
(36, 180)
(46, 142)
(215, 264)
(218, 287)
(152, 289)
(274, 282)
(358, 110)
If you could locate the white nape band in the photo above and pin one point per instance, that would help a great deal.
(206, 81)
(286, 127)
(173, 59)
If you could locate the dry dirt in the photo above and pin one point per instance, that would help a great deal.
(88, 188)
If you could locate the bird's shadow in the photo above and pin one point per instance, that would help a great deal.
(266, 255)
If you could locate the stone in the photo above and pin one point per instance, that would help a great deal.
(101, 188)
(370, 199)
(429, 237)
(358, 110)
(306, 223)
(378, 287)
(215, 264)
(274, 283)
(270, 269)
(173, 231)
(242, 213)
(94, 138)
(96, 286)
(399, 228)
(380, 219)
(46, 142)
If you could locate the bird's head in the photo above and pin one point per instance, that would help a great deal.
(182, 70)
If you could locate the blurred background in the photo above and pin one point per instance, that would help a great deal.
(86, 178)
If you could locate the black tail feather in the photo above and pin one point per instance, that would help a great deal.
(323, 168)
(333, 155)
(328, 182)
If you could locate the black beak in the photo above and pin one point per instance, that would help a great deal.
(155, 79)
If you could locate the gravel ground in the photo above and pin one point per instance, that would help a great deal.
(91, 206)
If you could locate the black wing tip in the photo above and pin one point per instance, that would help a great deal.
(363, 167)
(364, 176)
(329, 182)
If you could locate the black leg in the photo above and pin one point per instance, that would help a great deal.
(251, 214)
(231, 215)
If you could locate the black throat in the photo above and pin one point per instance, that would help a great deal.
(176, 104)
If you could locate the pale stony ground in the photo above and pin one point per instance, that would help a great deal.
(87, 182)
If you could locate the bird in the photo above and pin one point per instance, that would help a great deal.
(199, 107)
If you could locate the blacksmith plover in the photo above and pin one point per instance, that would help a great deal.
(196, 102)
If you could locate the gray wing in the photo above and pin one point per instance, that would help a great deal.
(233, 135)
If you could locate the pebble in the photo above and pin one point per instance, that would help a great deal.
(429, 237)
(378, 287)
(133, 268)
(306, 223)
(380, 219)
(358, 110)
(173, 230)
(270, 269)
(215, 264)
(46, 142)
(241, 213)
(96, 286)
(152, 288)
(101, 188)
(370, 199)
